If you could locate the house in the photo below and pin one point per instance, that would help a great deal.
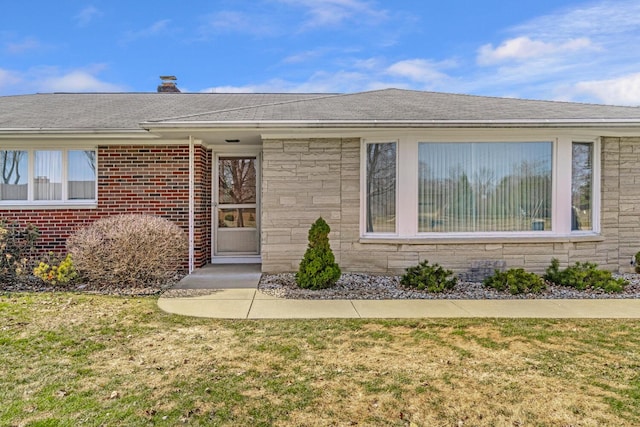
(399, 175)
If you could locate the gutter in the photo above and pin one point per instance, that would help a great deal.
(76, 133)
(516, 123)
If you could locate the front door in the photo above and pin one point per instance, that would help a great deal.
(236, 200)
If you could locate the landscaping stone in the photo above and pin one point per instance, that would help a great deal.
(379, 287)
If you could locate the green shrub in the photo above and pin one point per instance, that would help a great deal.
(318, 269)
(129, 250)
(55, 271)
(432, 278)
(584, 275)
(636, 262)
(17, 247)
(516, 281)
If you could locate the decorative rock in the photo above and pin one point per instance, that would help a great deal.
(378, 287)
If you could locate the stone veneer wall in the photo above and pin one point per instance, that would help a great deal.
(301, 181)
(304, 179)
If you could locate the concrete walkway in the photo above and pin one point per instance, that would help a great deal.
(230, 292)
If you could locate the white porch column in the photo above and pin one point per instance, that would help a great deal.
(192, 174)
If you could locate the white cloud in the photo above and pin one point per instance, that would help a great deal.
(356, 75)
(53, 79)
(624, 90)
(547, 57)
(30, 43)
(318, 82)
(423, 71)
(575, 53)
(87, 15)
(270, 86)
(9, 78)
(324, 13)
(154, 29)
(341, 81)
(369, 64)
(302, 57)
(524, 48)
(601, 20)
(229, 21)
(77, 81)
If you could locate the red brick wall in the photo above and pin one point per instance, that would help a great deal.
(135, 179)
(202, 217)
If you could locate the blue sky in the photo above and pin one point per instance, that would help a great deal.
(585, 51)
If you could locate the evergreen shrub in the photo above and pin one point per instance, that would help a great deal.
(584, 275)
(516, 281)
(318, 269)
(430, 278)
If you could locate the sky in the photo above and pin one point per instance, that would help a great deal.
(565, 50)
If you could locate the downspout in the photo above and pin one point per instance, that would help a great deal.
(192, 173)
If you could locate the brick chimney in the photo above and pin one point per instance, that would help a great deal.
(168, 85)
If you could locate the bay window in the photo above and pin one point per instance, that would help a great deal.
(47, 177)
(530, 187)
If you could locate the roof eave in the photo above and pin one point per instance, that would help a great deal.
(302, 124)
(137, 133)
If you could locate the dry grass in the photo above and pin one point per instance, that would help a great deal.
(70, 359)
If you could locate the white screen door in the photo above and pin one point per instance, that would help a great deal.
(236, 214)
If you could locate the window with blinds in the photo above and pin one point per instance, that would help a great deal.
(428, 187)
(484, 187)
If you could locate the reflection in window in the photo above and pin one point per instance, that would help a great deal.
(581, 186)
(237, 218)
(381, 187)
(13, 185)
(484, 187)
(237, 180)
(81, 172)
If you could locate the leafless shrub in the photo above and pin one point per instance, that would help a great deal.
(128, 250)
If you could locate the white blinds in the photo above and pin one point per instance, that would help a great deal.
(484, 187)
(47, 180)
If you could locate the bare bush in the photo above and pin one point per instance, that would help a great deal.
(128, 250)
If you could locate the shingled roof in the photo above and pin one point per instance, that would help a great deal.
(395, 105)
(133, 111)
(123, 111)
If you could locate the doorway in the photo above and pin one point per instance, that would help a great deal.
(236, 213)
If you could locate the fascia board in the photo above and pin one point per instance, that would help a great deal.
(182, 125)
(75, 133)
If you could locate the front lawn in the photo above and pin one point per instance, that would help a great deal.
(75, 359)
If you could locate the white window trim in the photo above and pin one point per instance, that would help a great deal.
(407, 192)
(65, 202)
